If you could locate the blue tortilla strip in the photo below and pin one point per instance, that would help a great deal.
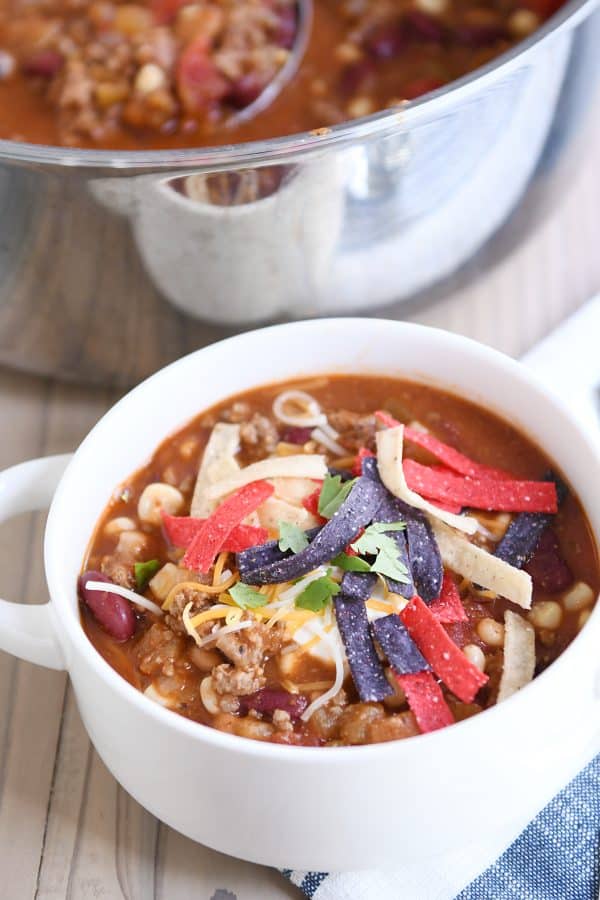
(366, 667)
(524, 532)
(402, 653)
(357, 510)
(391, 510)
(267, 553)
(344, 474)
(425, 566)
(358, 585)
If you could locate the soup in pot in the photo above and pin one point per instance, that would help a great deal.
(172, 73)
(347, 560)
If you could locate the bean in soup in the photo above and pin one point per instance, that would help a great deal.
(349, 560)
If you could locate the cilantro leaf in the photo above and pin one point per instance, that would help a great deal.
(317, 594)
(291, 537)
(390, 565)
(333, 493)
(383, 527)
(351, 563)
(246, 597)
(375, 542)
(144, 572)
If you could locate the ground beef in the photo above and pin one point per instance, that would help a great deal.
(355, 430)
(227, 680)
(199, 600)
(159, 650)
(248, 726)
(253, 645)
(260, 435)
(325, 721)
(118, 572)
(392, 728)
(356, 719)
(282, 721)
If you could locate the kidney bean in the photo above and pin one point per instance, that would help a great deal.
(113, 613)
(296, 435)
(286, 30)
(386, 41)
(199, 83)
(424, 27)
(268, 700)
(549, 571)
(42, 63)
(420, 86)
(355, 75)
(479, 35)
(246, 89)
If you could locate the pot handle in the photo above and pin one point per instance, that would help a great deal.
(28, 631)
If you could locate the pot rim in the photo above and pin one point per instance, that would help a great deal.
(290, 147)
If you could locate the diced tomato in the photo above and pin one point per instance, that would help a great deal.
(164, 11)
(311, 503)
(363, 453)
(199, 83)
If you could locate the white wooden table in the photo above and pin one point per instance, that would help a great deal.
(66, 829)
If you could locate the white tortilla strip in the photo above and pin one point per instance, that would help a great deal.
(482, 567)
(304, 465)
(389, 461)
(519, 655)
(218, 463)
(273, 511)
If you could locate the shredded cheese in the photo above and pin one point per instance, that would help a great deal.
(332, 639)
(305, 465)
(307, 410)
(481, 567)
(325, 439)
(389, 462)
(519, 655)
(124, 592)
(219, 632)
(218, 462)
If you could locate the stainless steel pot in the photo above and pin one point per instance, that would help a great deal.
(112, 264)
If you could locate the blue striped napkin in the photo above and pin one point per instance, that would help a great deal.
(557, 857)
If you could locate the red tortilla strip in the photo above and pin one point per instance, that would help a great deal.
(484, 493)
(447, 455)
(448, 607)
(181, 530)
(217, 528)
(447, 661)
(426, 701)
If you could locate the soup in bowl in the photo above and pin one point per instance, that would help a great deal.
(429, 737)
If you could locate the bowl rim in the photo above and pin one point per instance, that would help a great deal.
(57, 579)
(289, 147)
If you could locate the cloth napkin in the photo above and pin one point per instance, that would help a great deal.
(557, 856)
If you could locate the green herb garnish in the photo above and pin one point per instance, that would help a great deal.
(144, 572)
(333, 493)
(351, 563)
(375, 542)
(246, 597)
(291, 537)
(317, 594)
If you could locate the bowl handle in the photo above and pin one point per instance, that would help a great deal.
(28, 631)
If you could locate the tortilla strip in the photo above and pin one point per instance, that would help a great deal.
(481, 567)
(218, 463)
(389, 461)
(304, 465)
(519, 655)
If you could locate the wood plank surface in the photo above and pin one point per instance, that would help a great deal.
(66, 829)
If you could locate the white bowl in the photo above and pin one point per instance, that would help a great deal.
(301, 808)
